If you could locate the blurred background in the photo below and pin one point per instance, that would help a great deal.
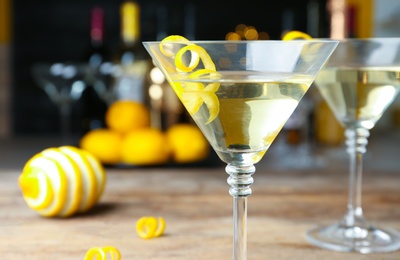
(58, 31)
(35, 35)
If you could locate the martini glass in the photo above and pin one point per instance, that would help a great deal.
(240, 95)
(101, 79)
(64, 84)
(359, 82)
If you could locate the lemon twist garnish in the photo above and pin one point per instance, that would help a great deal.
(198, 53)
(293, 35)
(171, 38)
(203, 72)
(169, 53)
(100, 253)
(150, 227)
(194, 94)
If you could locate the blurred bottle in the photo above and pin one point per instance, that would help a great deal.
(91, 107)
(97, 53)
(165, 107)
(158, 85)
(133, 60)
(328, 130)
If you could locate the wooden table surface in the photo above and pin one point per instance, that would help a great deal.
(198, 210)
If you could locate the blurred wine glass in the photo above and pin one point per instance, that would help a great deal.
(101, 77)
(64, 84)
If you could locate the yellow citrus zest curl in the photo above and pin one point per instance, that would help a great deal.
(168, 52)
(171, 38)
(294, 35)
(100, 253)
(198, 53)
(194, 94)
(150, 227)
(203, 72)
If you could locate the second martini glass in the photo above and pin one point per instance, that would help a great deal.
(240, 94)
(359, 82)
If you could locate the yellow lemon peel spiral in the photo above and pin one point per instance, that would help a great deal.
(100, 253)
(194, 94)
(293, 35)
(150, 227)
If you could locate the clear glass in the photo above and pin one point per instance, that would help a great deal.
(64, 84)
(240, 94)
(102, 78)
(360, 80)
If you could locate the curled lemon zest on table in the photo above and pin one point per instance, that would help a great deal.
(150, 227)
(194, 94)
(100, 253)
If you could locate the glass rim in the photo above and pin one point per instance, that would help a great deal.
(370, 39)
(314, 40)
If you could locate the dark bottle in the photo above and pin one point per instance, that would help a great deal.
(133, 60)
(165, 107)
(91, 107)
(97, 52)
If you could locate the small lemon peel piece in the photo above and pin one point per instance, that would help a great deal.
(100, 253)
(194, 94)
(150, 227)
(294, 35)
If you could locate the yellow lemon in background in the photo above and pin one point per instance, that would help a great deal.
(60, 182)
(187, 143)
(126, 115)
(105, 144)
(146, 146)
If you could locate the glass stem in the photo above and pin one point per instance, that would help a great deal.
(240, 180)
(356, 142)
(65, 121)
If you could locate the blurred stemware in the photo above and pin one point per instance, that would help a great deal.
(102, 79)
(64, 84)
(360, 80)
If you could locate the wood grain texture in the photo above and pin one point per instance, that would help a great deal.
(198, 210)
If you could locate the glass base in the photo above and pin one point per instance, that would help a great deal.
(365, 240)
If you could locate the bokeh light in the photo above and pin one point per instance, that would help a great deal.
(263, 36)
(232, 36)
(248, 33)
